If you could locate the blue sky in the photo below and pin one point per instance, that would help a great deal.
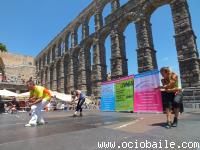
(27, 26)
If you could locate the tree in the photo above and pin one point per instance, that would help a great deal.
(3, 48)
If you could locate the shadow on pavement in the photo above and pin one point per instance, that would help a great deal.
(161, 124)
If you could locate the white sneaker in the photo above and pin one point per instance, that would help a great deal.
(30, 125)
(27, 125)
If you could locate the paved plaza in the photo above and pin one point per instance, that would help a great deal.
(124, 130)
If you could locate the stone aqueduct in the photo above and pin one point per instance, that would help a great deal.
(64, 68)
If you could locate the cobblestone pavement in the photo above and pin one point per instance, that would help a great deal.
(96, 130)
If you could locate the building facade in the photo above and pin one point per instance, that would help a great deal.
(15, 70)
(65, 63)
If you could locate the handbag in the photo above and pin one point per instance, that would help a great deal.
(178, 98)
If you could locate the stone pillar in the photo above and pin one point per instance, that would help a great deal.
(82, 72)
(88, 67)
(48, 77)
(48, 58)
(70, 75)
(53, 54)
(75, 69)
(58, 68)
(118, 55)
(54, 82)
(44, 61)
(45, 76)
(74, 38)
(66, 72)
(98, 18)
(39, 77)
(85, 31)
(56, 52)
(188, 55)
(115, 5)
(79, 76)
(51, 69)
(37, 66)
(146, 54)
(99, 67)
(62, 78)
(41, 64)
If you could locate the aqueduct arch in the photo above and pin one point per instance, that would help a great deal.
(69, 67)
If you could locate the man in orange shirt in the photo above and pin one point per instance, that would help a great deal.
(39, 98)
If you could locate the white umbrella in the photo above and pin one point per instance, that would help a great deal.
(5, 92)
(62, 96)
(26, 94)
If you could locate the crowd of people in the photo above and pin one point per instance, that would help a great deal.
(9, 107)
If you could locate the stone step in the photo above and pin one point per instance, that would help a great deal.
(191, 89)
(192, 105)
(191, 94)
(191, 97)
(192, 101)
(188, 93)
(196, 92)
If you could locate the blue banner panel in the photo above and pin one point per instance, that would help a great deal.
(107, 97)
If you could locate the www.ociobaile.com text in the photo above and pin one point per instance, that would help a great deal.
(161, 144)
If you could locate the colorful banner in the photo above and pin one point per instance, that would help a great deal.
(124, 94)
(107, 97)
(147, 96)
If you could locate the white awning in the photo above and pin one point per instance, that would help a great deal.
(5, 92)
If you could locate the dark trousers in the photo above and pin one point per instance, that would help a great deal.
(79, 105)
(171, 101)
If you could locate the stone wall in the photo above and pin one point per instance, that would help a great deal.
(18, 68)
(18, 88)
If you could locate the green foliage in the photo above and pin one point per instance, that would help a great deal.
(3, 48)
